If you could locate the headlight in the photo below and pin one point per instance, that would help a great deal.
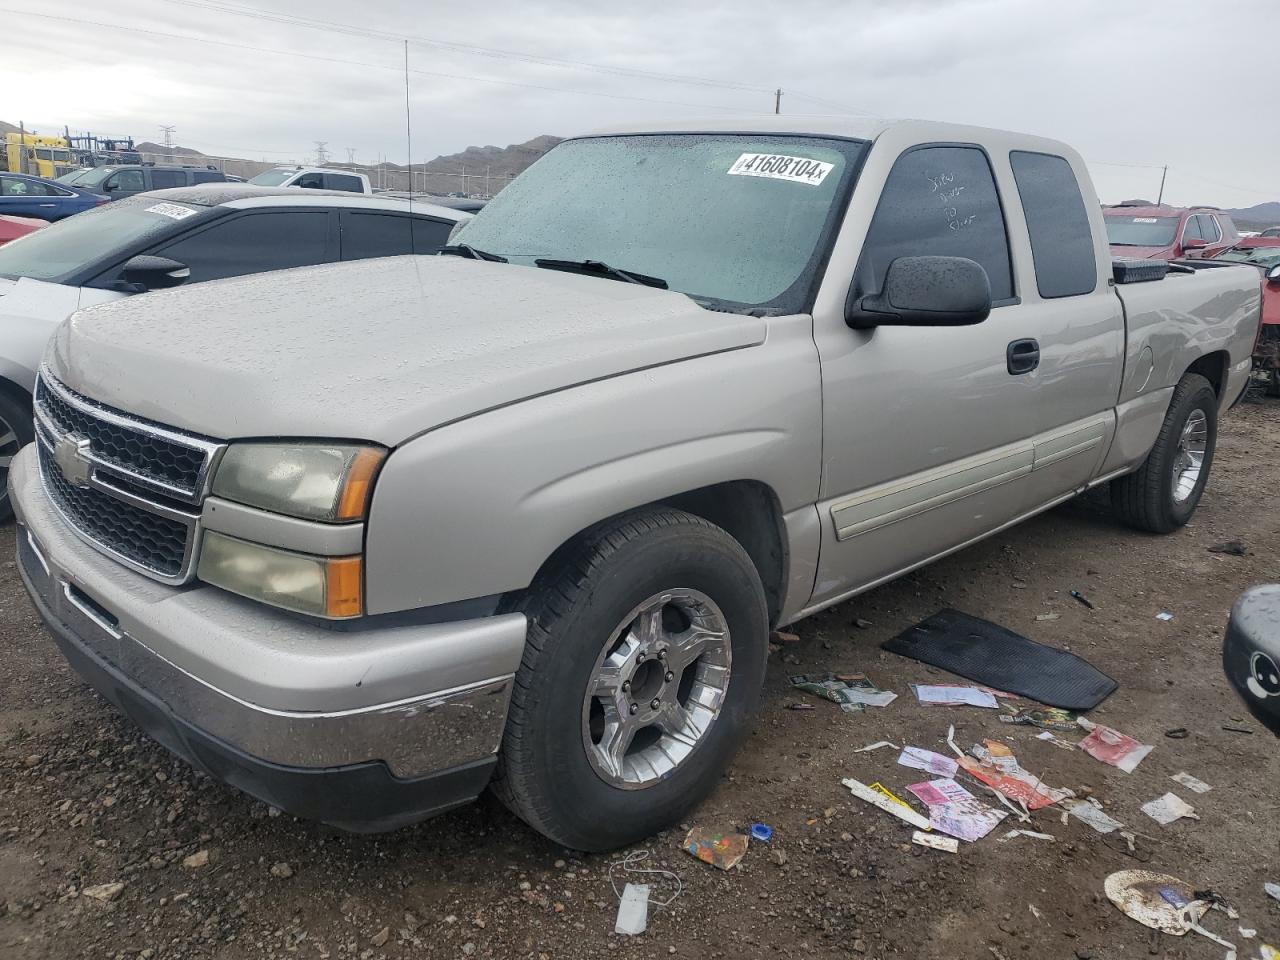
(321, 586)
(313, 481)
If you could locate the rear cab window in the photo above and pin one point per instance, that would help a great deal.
(939, 200)
(342, 181)
(1057, 223)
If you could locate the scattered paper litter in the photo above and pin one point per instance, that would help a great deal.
(951, 696)
(1046, 718)
(1005, 838)
(1156, 900)
(1164, 615)
(852, 691)
(1042, 617)
(1191, 783)
(1272, 890)
(868, 698)
(1247, 933)
(1164, 810)
(889, 804)
(1091, 814)
(1034, 912)
(954, 810)
(633, 910)
(720, 848)
(1048, 737)
(1112, 746)
(995, 765)
(935, 763)
(935, 842)
(878, 745)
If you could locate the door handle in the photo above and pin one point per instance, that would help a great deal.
(1023, 356)
(49, 205)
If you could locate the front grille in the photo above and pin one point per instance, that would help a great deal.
(144, 538)
(129, 487)
(142, 450)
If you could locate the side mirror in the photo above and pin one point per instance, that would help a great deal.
(1273, 275)
(926, 292)
(154, 273)
(1194, 243)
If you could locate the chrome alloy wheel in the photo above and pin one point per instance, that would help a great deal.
(656, 688)
(1188, 461)
(9, 446)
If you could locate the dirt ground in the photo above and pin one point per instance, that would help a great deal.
(86, 800)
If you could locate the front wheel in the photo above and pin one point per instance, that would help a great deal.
(15, 432)
(1164, 492)
(642, 669)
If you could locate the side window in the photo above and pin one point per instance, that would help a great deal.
(938, 201)
(13, 187)
(340, 181)
(206, 176)
(310, 180)
(127, 181)
(1192, 230)
(163, 179)
(430, 235)
(253, 243)
(1058, 224)
(1209, 228)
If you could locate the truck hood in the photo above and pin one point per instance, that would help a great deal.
(378, 350)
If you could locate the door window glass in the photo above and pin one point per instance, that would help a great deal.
(253, 243)
(1058, 224)
(163, 179)
(127, 181)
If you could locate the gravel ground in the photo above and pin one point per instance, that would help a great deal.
(111, 848)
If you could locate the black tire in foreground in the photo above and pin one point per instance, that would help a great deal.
(1164, 492)
(646, 654)
(15, 433)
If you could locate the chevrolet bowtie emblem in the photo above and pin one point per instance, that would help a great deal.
(72, 456)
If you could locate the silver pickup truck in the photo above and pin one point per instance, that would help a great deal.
(364, 539)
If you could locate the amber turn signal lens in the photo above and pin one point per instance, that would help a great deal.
(358, 484)
(342, 594)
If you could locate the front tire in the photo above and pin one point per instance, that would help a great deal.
(643, 666)
(16, 432)
(1164, 492)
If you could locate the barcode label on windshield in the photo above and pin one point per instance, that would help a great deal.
(778, 167)
(171, 210)
(1146, 219)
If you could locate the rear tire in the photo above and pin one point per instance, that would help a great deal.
(1163, 493)
(16, 432)
(1273, 383)
(592, 777)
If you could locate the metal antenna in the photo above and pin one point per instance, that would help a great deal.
(408, 141)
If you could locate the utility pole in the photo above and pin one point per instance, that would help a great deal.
(351, 156)
(777, 100)
(168, 140)
(1164, 173)
(322, 152)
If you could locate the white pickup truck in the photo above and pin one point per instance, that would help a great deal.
(364, 539)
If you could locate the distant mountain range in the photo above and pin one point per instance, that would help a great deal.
(1258, 217)
(475, 170)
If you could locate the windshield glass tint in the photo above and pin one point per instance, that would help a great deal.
(1263, 256)
(1141, 231)
(272, 178)
(68, 245)
(739, 220)
(95, 176)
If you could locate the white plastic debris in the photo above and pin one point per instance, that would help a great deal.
(1272, 890)
(1248, 933)
(878, 745)
(935, 842)
(899, 810)
(633, 910)
(1034, 912)
(1191, 783)
(1091, 814)
(1165, 810)
(1005, 838)
(1164, 615)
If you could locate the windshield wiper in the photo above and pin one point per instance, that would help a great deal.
(466, 250)
(600, 269)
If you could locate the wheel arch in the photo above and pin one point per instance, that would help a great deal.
(1214, 368)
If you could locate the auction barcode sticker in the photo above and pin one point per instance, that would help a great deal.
(171, 210)
(1146, 219)
(776, 166)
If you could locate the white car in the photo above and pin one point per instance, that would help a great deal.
(314, 178)
(170, 237)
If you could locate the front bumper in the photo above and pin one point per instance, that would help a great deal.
(366, 729)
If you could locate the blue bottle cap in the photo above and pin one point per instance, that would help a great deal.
(761, 831)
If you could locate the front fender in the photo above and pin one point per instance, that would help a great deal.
(476, 507)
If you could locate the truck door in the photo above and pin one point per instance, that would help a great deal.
(1076, 321)
(926, 430)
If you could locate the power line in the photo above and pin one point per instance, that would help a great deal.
(362, 63)
(465, 48)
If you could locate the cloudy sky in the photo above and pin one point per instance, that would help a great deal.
(1132, 86)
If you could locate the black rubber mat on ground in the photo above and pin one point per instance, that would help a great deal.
(995, 657)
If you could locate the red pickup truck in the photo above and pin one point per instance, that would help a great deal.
(1264, 253)
(1168, 233)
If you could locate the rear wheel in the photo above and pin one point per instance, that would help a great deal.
(1164, 492)
(15, 432)
(643, 666)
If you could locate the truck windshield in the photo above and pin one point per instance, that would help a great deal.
(1267, 256)
(95, 176)
(736, 222)
(1129, 231)
(66, 247)
(272, 178)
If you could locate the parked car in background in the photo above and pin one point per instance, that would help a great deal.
(25, 196)
(182, 236)
(11, 228)
(541, 499)
(314, 178)
(1263, 252)
(117, 181)
(469, 204)
(1168, 233)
